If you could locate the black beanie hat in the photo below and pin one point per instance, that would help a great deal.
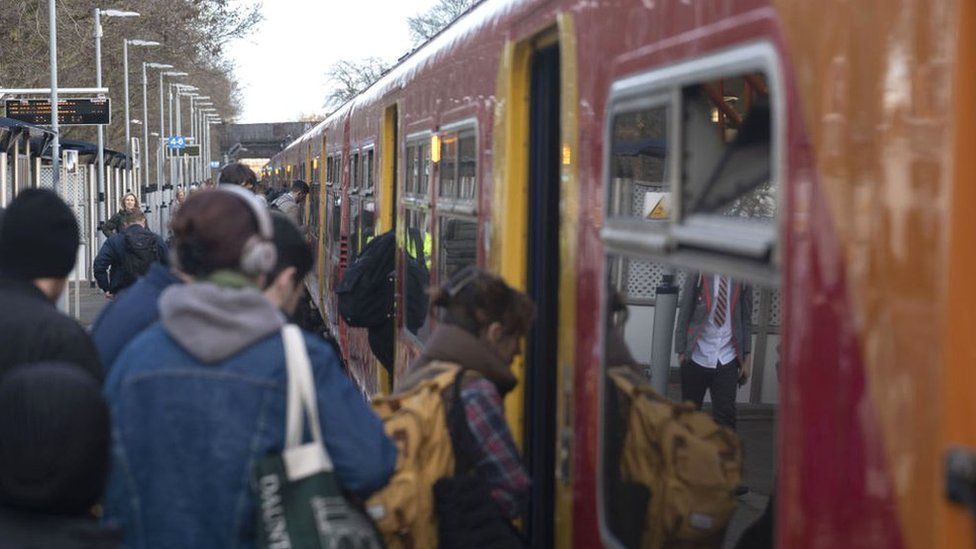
(39, 237)
(54, 439)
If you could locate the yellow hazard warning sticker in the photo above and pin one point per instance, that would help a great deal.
(657, 205)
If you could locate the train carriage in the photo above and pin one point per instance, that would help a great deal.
(607, 151)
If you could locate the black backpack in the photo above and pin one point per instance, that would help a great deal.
(141, 251)
(365, 293)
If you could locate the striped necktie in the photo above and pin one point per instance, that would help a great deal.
(721, 301)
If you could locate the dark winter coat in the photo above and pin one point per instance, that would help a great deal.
(114, 224)
(130, 313)
(19, 530)
(33, 330)
(112, 255)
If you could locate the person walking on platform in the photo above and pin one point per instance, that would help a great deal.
(128, 255)
(714, 341)
(291, 202)
(54, 459)
(199, 397)
(130, 202)
(38, 246)
(138, 307)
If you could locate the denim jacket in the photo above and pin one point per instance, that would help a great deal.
(198, 399)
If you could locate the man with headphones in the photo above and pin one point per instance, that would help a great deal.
(199, 397)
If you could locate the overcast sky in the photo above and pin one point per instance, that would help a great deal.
(281, 67)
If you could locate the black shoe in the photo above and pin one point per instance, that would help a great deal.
(740, 490)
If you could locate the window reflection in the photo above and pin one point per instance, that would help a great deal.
(705, 336)
(457, 246)
(639, 184)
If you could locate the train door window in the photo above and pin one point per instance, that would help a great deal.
(367, 221)
(370, 176)
(457, 222)
(417, 247)
(458, 166)
(416, 201)
(457, 245)
(448, 167)
(354, 172)
(467, 166)
(691, 234)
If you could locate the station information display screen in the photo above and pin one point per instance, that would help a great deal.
(71, 112)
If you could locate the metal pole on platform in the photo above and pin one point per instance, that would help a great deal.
(52, 17)
(101, 130)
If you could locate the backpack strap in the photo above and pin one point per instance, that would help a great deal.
(466, 454)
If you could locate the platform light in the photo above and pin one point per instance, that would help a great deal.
(567, 155)
(435, 148)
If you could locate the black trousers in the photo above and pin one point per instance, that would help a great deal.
(722, 382)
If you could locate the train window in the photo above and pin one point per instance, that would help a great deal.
(354, 234)
(457, 245)
(448, 166)
(458, 166)
(418, 167)
(335, 201)
(691, 261)
(418, 246)
(369, 169)
(467, 167)
(354, 172)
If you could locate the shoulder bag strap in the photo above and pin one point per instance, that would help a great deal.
(301, 396)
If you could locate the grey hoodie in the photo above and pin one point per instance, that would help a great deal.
(213, 323)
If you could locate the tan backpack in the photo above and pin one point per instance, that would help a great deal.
(416, 420)
(689, 464)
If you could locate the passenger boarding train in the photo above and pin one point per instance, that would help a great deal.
(820, 151)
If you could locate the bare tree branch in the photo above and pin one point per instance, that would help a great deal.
(424, 26)
(347, 79)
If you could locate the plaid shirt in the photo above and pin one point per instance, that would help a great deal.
(500, 464)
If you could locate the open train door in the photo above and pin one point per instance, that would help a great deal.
(542, 275)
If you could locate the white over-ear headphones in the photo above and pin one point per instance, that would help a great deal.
(259, 253)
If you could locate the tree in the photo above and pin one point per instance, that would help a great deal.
(424, 26)
(194, 36)
(347, 79)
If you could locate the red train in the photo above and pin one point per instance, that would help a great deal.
(582, 149)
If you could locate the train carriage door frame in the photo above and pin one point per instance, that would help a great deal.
(539, 410)
(387, 203)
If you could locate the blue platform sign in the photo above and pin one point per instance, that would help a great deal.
(176, 142)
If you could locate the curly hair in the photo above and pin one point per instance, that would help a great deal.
(473, 299)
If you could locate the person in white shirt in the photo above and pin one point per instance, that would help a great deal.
(713, 339)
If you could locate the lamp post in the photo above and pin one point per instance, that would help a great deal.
(181, 90)
(199, 101)
(145, 117)
(162, 141)
(98, 84)
(125, 68)
(206, 112)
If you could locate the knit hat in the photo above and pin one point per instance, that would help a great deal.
(54, 439)
(38, 238)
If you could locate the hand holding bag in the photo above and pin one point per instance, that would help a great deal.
(300, 503)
